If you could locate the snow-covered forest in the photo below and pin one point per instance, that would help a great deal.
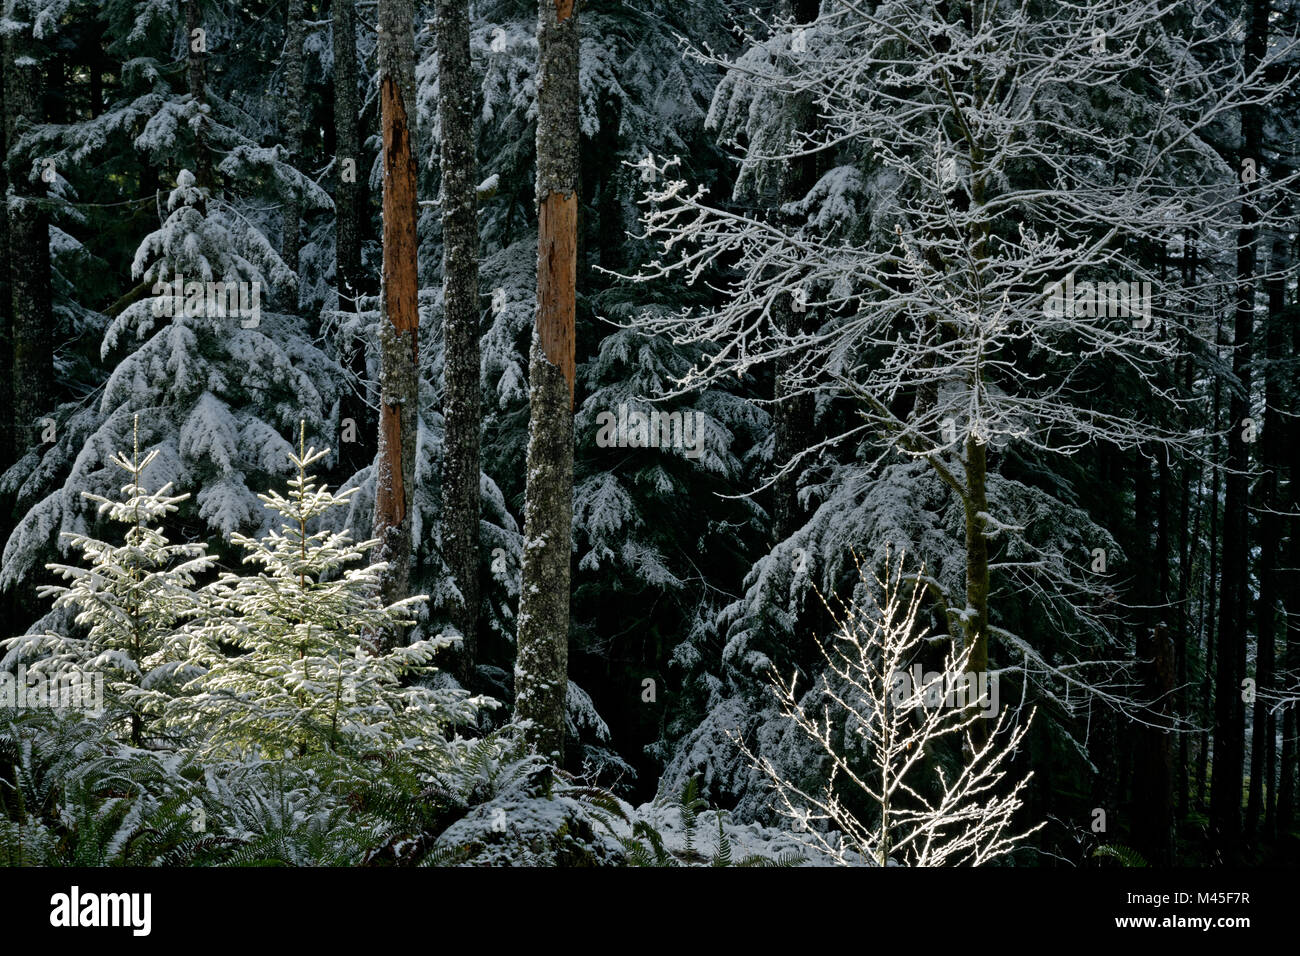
(634, 433)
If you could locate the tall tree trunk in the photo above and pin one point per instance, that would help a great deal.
(1211, 619)
(29, 247)
(351, 172)
(349, 199)
(1229, 711)
(1182, 619)
(462, 414)
(96, 92)
(196, 78)
(1193, 519)
(975, 502)
(792, 414)
(1153, 768)
(541, 671)
(399, 324)
(976, 620)
(1263, 751)
(1189, 530)
(7, 451)
(295, 121)
(1289, 585)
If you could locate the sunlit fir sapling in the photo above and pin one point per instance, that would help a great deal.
(290, 657)
(131, 601)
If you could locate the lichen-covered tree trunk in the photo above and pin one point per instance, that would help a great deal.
(460, 322)
(541, 668)
(399, 305)
(295, 119)
(349, 193)
(29, 249)
(196, 79)
(351, 175)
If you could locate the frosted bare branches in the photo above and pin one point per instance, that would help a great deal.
(984, 258)
(888, 741)
(989, 161)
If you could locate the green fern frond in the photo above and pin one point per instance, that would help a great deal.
(723, 855)
(1125, 856)
(788, 858)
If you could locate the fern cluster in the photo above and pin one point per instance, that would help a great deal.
(645, 845)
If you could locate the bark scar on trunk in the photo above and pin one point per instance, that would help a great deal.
(401, 297)
(393, 503)
(557, 271)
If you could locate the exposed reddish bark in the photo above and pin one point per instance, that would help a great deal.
(557, 275)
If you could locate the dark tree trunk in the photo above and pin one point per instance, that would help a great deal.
(1289, 585)
(29, 250)
(96, 93)
(349, 200)
(1153, 766)
(1229, 711)
(400, 316)
(295, 121)
(7, 454)
(462, 414)
(541, 671)
(1211, 618)
(1263, 752)
(792, 413)
(1187, 530)
(196, 78)
(976, 625)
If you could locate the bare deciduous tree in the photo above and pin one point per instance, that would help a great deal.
(922, 814)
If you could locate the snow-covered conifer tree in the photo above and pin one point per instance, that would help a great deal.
(290, 654)
(130, 602)
(211, 369)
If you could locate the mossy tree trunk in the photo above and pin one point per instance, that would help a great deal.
(541, 668)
